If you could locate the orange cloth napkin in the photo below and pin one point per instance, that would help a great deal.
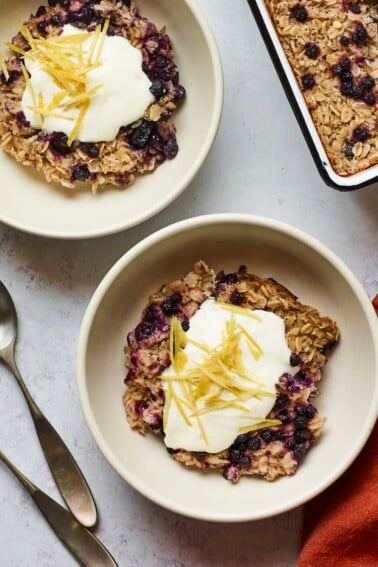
(341, 525)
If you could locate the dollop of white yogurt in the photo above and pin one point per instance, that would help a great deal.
(207, 327)
(122, 99)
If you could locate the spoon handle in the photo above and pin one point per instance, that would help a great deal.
(81, 542)
(66, 472)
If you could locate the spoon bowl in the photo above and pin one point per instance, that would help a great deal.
(8, 320)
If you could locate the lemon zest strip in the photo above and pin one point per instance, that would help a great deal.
(262, 425)
(15, 48)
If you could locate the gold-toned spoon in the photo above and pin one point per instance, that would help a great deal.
(67, 475)
(81, 542)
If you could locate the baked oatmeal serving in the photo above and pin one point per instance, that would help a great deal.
(332, 47)
(225, 369)
(87, 93)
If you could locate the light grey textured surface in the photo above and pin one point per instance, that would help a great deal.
(259, 164)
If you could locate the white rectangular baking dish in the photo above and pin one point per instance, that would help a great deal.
(298, 104)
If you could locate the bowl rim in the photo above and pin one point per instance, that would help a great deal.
(116, 270)
(150, 211)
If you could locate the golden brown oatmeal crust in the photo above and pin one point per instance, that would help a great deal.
(270, 453)
(336, 116)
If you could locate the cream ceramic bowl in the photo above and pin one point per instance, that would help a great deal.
(31, 204)
(268, 248)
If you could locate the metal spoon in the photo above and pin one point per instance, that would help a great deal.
(81, 542)
(67, 475)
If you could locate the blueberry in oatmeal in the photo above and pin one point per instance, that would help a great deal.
(312, 51)
(308, 81)
(88, 92)
(360, 134)
(224, 368)
(344, 40)
(299, 12)
(348, 149)
(360, 35)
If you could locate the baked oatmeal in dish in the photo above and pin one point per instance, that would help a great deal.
(332, 47)
(225, 369)
(87, 93)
